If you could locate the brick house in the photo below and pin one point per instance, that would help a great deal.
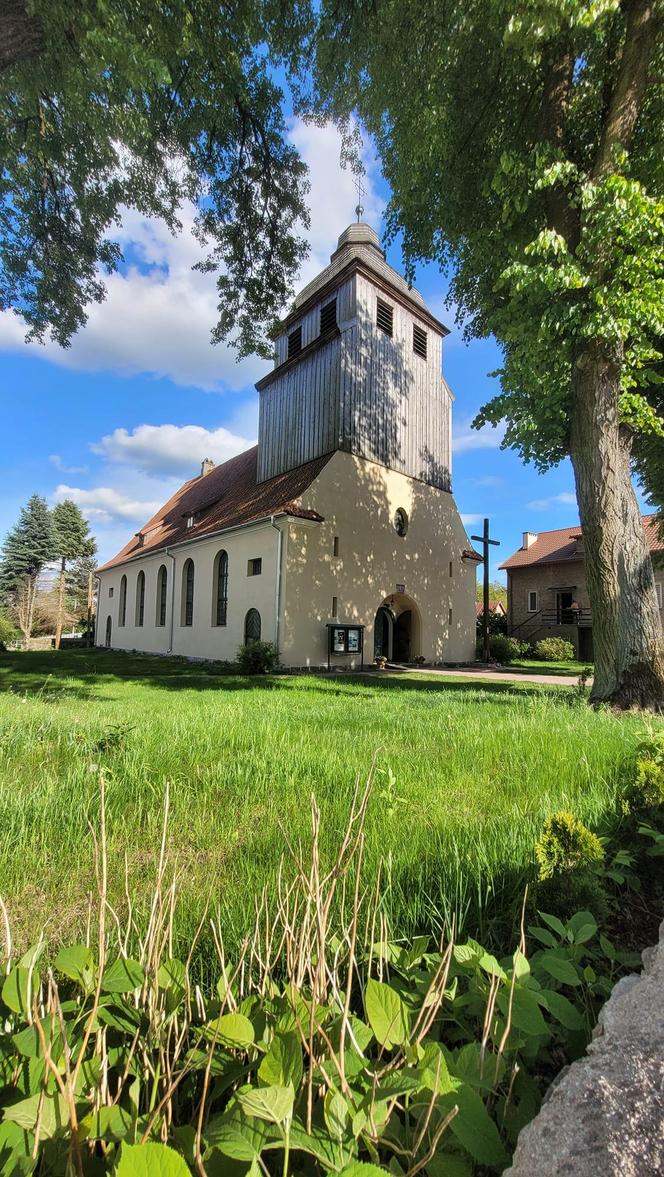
(546, 586)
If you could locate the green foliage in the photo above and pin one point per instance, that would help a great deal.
(71, 532)
(506, 649)
(28, 546)
(566, 845)
(258, 657)
(146, 106)
(644, 790)
(8, 631)
(554, 650)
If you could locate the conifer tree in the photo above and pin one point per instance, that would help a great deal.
(72, 542)
(28, 547)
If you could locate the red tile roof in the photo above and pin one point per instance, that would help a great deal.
(227, 496)
(494, 607)
(557, 547)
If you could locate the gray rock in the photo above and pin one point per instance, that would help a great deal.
(605, 1116)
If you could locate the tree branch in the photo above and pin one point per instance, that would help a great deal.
(21, 35)
(643, 21)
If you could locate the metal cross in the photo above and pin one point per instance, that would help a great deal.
(360, 193)
(484, 540)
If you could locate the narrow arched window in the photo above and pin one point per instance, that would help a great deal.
(252, 626)
(220, 589)
(122, 604)
(188, 593)
(140, 598)
(162, 588)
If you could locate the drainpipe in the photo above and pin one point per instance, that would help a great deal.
(277, 593)
(95, 635)
(171, 557)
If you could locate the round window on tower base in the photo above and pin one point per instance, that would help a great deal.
(400, 522)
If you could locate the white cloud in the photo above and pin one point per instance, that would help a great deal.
(468, 520)
(565, 498)
(158, 312)
(57, 461)
(163, 450)
(465, 438)
(103, 504)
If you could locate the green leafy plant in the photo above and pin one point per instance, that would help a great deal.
(554, 650)
(644, 789)
(565, 844)
(258, 658)
(8, 631)
(507, 649)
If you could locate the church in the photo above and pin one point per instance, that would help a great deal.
(336, 537)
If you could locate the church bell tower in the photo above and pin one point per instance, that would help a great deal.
(358, 367)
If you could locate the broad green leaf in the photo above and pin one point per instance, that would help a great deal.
(474, 1128)
(231, 1030)
(238, 1135)
(559, 968)
(362, 1169)
(15, 1150)
(108, 1123)
(78, 964)
(28, 1042)
(15, 990)
(543, 935)
(583, 926)
(388, 1016)
(172, 974)
(283, 1062)
(526, 1013)
(520, 964)
(268, 1103)
(466, 953)
(232, 1143)
(319, 1145)
(54, 1114)
(150, 1160)
(563, 1010)
(335, 1110)
(490, 965)
(553, 922)
(123, 976)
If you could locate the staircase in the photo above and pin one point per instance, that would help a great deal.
(550, 619)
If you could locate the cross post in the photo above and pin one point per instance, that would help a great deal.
(486, 542)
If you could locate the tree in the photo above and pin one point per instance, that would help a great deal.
(72, 542)
(497, 592)
(28, 547)
(524, 146)
(106, 105)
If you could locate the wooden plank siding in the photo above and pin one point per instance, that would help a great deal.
(362, 391)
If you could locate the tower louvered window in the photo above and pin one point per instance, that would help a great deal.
(384, 316)
(295, 343)
(419, 341)
(328, 316)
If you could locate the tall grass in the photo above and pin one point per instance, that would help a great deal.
(465, 776)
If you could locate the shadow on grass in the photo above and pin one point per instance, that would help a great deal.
(78, 674)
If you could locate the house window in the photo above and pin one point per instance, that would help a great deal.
(140, 599)
(122, 609)
(220, 588)
(110, 591)
(384, 316)
(255, 566)
(660, 594)
(162, 584)
(295, 343)
(334, 606)
(188, 593)
(400, 522)
(252, 627)
(419, 341)
(335, 546)
(190, 520)
(449, 615)
(328, 316)
(532, 602)
(451, 568)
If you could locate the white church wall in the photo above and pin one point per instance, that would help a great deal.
(358, 500)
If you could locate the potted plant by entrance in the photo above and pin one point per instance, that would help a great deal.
(380, 661)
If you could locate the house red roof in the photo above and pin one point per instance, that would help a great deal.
(559, 546)
(227, 496)
(494, 607)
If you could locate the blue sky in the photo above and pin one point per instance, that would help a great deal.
(123, 416)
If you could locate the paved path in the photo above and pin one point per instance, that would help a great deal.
(479, 672)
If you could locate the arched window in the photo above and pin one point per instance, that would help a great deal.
(162, 587)
(252, 626)
(109, 631)
(122, 604)
(140, 599)
(220, 589)
(188, 593)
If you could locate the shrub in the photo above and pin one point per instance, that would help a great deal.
(7, 631)
(645, 791)
(554, 650)
(258, 658)
(565, 845)
(505, 649)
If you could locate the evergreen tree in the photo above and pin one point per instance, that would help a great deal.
(28, 547)
(72, 542)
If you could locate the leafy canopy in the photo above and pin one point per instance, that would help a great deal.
(28, 546)
(492, 122)
(143, 104)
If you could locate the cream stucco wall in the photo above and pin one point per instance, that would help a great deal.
(202, 639)
(358, 500)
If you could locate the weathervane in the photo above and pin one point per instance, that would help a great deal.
(359, 210)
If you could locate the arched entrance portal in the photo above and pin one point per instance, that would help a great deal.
(109, 628)
(397, 629)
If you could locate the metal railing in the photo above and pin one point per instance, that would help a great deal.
(545, 618)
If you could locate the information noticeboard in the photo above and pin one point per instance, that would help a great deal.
(345, 639)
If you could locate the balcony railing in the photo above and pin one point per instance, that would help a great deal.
(546, 618)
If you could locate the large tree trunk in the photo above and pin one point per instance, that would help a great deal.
(20, 33)
(627, 634)
(61, 606)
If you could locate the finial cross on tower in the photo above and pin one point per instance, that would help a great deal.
(359, 210)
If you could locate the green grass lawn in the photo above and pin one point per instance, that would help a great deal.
(476, 768)
(534, 666)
